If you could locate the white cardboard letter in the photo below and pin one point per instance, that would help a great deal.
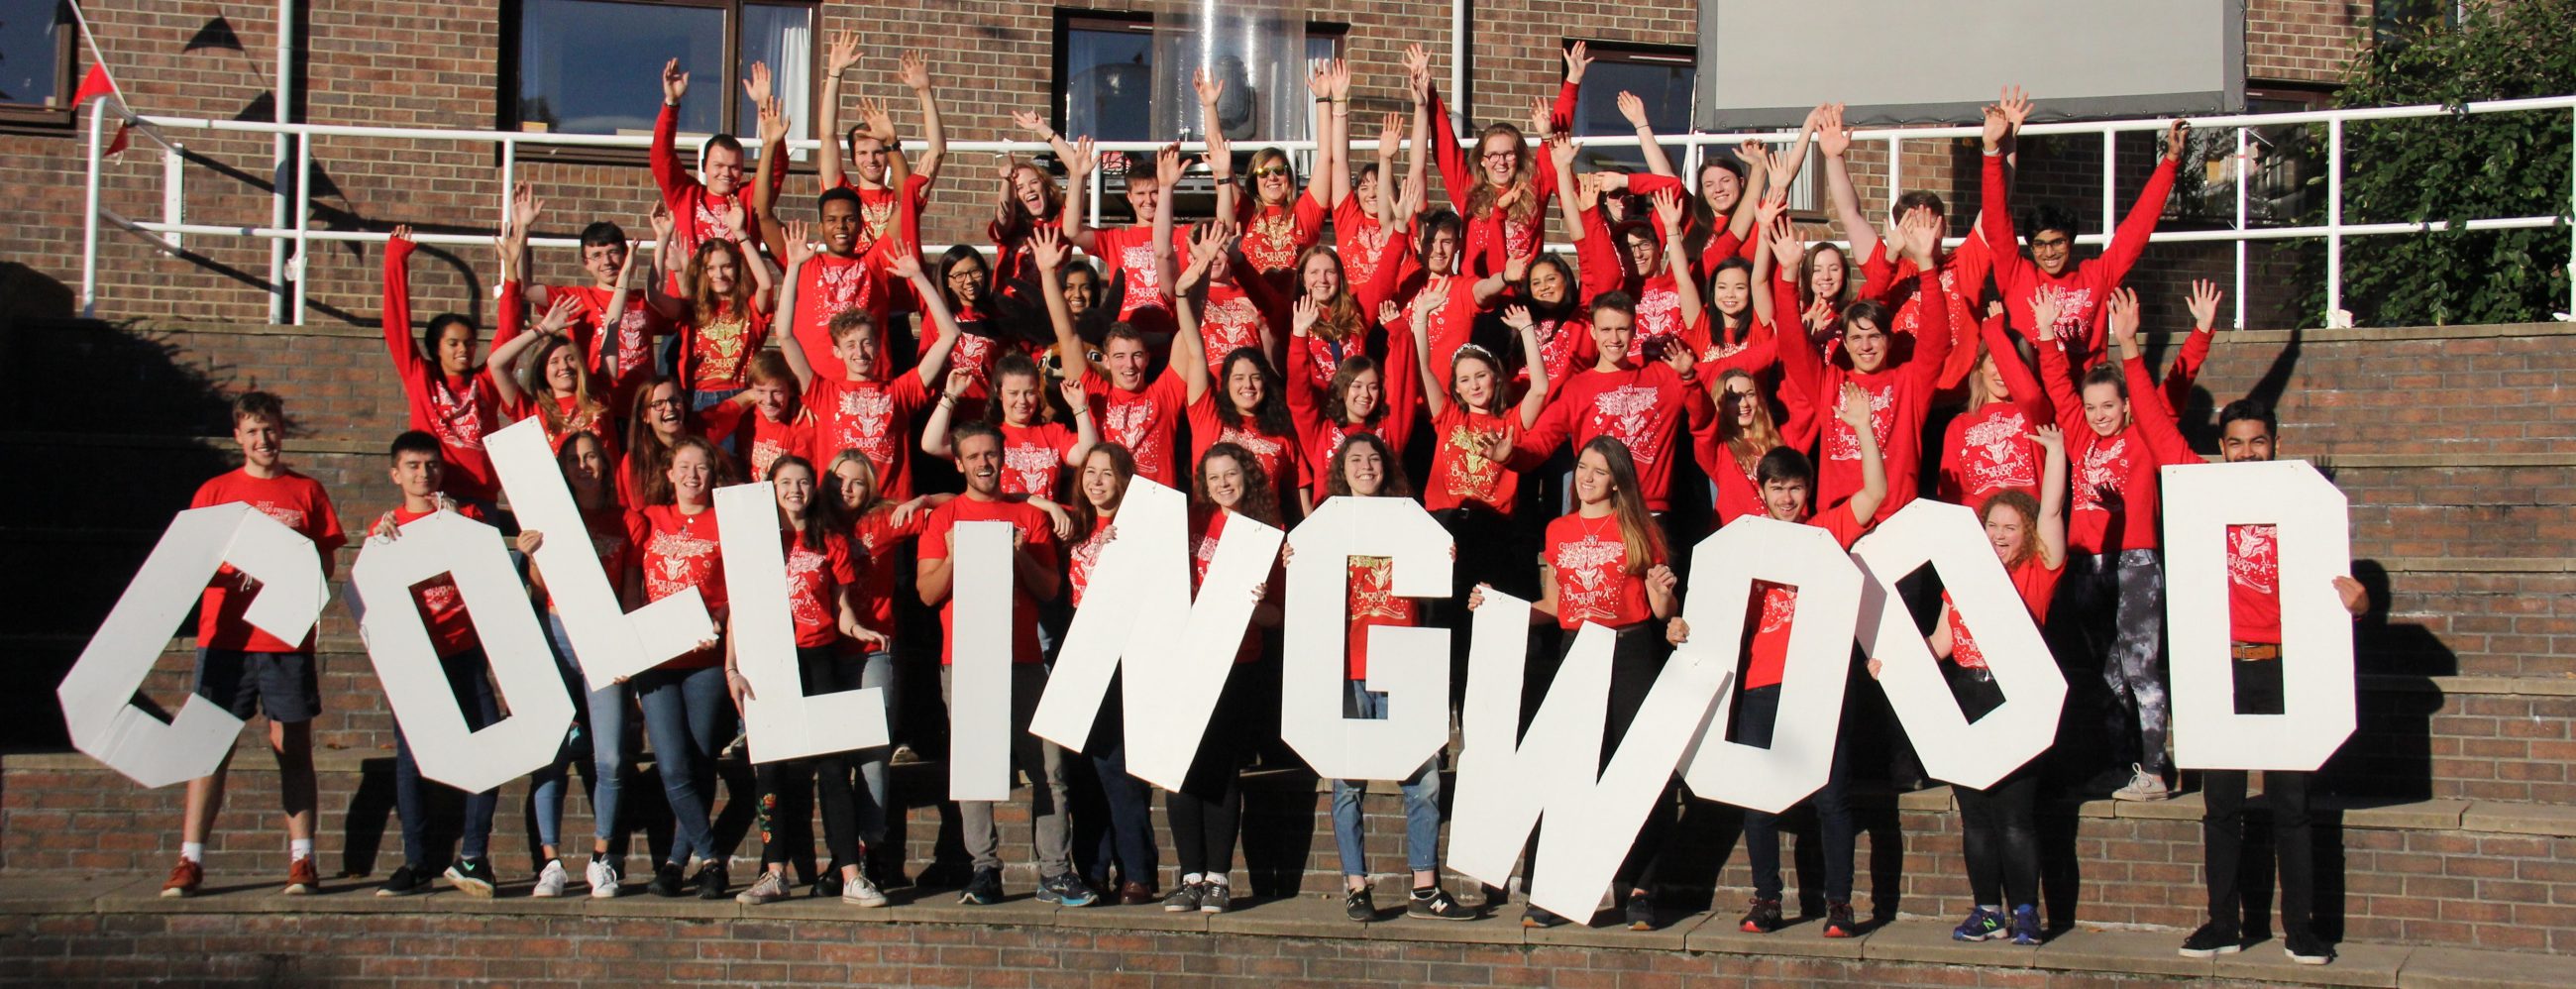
(608, 641)
(2315, 546)
(523, 666)
(1723, 570)
(95, 695)
(1412, 664)
(1950, 539)
(783, 722)
(979, 668)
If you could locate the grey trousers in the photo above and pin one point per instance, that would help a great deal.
(1044, 762)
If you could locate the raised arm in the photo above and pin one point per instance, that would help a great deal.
(1189, 344)
(669, 172)
(1873, 467)
(1416, 327)
(1933, 336)
(1533, 357)
(773, 156)
(2056, 373)
(1457, 174)
(1330, 183)
(800, 249)
(843, 53)
(2139, 226)
(1086, 431)
(1078, 161)
(904, 261)
(934, 427)
(2052, 496)
(1635, 110)
(1994, 197)
(1834, 139)
(1669, 211)
(2176, 389)
(1220, 152)
(934, 131)
(397, 312)
(2146, 407)
(1047, 249)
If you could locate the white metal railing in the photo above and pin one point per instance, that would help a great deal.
(289, 304)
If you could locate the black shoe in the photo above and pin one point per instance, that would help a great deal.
(1436, 905)
(828, 885)
(1838, 920)
(474, 876)
(405, 881)
(1538, 916)
(1215, 896)
(711, 881)
(1067, 889)
(2211, 940)
(983, 890)
(2306, 948)
(666, 881)
(1641, 911)
(1762, 919)
(1359, 905)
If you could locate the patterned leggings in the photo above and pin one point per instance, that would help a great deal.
(2117, 604)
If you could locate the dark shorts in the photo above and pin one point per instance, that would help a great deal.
(282, 684)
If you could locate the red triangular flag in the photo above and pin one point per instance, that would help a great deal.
(94, 85)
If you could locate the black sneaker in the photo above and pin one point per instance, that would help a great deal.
(2306, 948)
(1436, 905)
(1538, 916)
(1067, 889)
(1762, 919)
(711, 881)
(1215, 896)
(983, 890)
(2211, 940)
(828, 885)
(474, 876)
(1838, 920)
(1641, 911)
(405, 881)
(1358, 905)
(666, 880)
(1184, 898)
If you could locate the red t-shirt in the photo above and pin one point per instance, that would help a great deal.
(1033, 457)
(676, 552)
(1987, 450)
(878, 208)
(1231, 320)
(606, 528)
(874, 418)
(715, 352)
(1775, 604)
(1142, 421)
(2115, 477)
(1080, 557)
(1035, 527)
(1643, 407)
(2254, 584)
(293, 499)
(1900, 395)
(569, 418)
(769, 439)
(458, 409)
(1129, 254)
(874, 538)
(1278, 455)
(2036, 582)
(1593, 584)
(814, 582)
(1374, 603)
(442, 607)
(1460, 471)
(827, 286)
(1274, 233)
(1361, 241)
(1207, 526)
(636, 327)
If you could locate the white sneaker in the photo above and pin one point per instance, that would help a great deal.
(771, 887)
(603, 878)
(860, 892)
(551, 881)
(2143, 785)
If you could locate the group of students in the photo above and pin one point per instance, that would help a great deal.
(1695, 362)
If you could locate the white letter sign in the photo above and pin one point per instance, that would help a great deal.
(782, 722)
(1723, 570)
(982, 592)
(2314, 540)
(609, 642)
(1415, 676)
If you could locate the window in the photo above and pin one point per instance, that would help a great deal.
(2280, 163)
(1664, 78)
(1104, 77)
(591, 66)
(35, 60)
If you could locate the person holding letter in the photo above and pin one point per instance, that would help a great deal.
(676, 547)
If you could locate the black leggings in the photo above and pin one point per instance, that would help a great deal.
(788, 787)
(1995, 824)
(2222, 823)
(1206, 813)
(1636, 659)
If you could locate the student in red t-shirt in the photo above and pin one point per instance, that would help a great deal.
(1897, 385)
(1365, 467)
(656, 421)
(2079, 288)
(1251, 413)
(847, 272)
(1989, 448)
(822, 605)
(879, 530)
(1363, 204)
(248, 671)
(1643, 403)
(1138, 256)
(2247, 432)
(540, 376)
(1786, 483)
(1743, 435)
(1031, 201)
(677, 547)
(449, 395)
(417, 471)
(1501, 195)
(1035, 453)
(724, 318)
(1892, 266)
(1997, 836)
(765, 421)
(1035, 578)
(891, 198)
(1606, 563)
(1279, 221)
(2114, 600)
(712, 204)
(1100, 486)
(1207, 811)
(1134, 411)
(614, 325)
(1472, 494)
(870, 407)
(586, 468)
(1363, 396)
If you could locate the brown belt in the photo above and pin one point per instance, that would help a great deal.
(2255, 650)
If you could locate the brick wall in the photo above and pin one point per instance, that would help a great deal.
(436, 65)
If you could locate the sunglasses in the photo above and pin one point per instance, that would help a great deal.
(1270, 171)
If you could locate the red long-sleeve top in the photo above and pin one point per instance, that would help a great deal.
(1645, 405)
(1899, 396)
(697, 215)
(1400, 384)
(1989, 448)
(456, 408)
(1495, 236)
(2082, 287)
(2115, 477)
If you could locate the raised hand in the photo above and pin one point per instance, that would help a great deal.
(1167, 162)
(903, 260)
(1434, 292)
(1854, 410)
(1319, 80)
(1577, 59)
(1341, 79)
(959, 380)
(1922, 235)
(1304, 317)
(1390, 135)
(800, 241)
(1819, 315)
(2124, 319)
(880, 122)
(1634, 109)
(1388, 311)
(2045, 309)
(525, 207)
(663, 225)
(675, 83)
(402, 233)
(1208, 87)
(912, 72)
(626, 271)
(1081, 160)
(1998, 126)
(733, 219)
(1682, 360)
(1561, 151)
(1047, 247)
(1032, 122)
(843, 53)
(757, 85)
(1076, 397)
(1542, 119)
(1417, 71)
(1754, 154)
(773, 121)
(1516, 268)
(2051, 439)
(561, 314)
(1668, 207)
(1832, 137)
(1773, 206)
(2204, 303)
(1518, 318)
(2175, 134)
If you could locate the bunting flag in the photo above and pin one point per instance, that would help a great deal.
(98, 83)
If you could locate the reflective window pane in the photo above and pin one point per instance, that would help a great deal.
(594, 66)
(31, 73)
(780, 36)
(1108, 83)
(1663, 82)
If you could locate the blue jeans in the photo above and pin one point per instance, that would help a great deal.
(1421, 802)
(1756, 712)
(879, 672)
(474, 696)
(600, 738)
(686, 715)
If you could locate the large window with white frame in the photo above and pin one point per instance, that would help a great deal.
(594, 66)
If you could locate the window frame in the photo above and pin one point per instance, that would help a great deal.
(506, 105)
(67, 74)
(1634, 53)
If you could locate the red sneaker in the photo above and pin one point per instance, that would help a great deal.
(184, 879)
(302, 877)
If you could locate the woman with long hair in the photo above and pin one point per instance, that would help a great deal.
(724, 317)
(1501, 194)
(1128, 842)
(1989, 447)
(657, 421)
(1362, 395)
(683, 699)
(1606, 563)
(878, 529)
(1280, 222)
(584, 461)
(1035, 449)
(1206, 813)
(1030, 199)
(964, 284)
(1252, 412)
(540, 376)
(822, 606)
(1745, 433)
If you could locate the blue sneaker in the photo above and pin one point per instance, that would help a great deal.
(1067, 889)
(1982, 925)
(2025, 925)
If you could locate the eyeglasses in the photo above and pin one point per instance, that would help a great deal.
(2053, 243)
(663, 403)
(1500, 155)
(1270, 172)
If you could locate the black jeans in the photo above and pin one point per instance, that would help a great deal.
(1755, 711)
(2222, 824)
(1128, 841)
(1206, 813)
(788, 787)
(1636, 660)
(1996, 829)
